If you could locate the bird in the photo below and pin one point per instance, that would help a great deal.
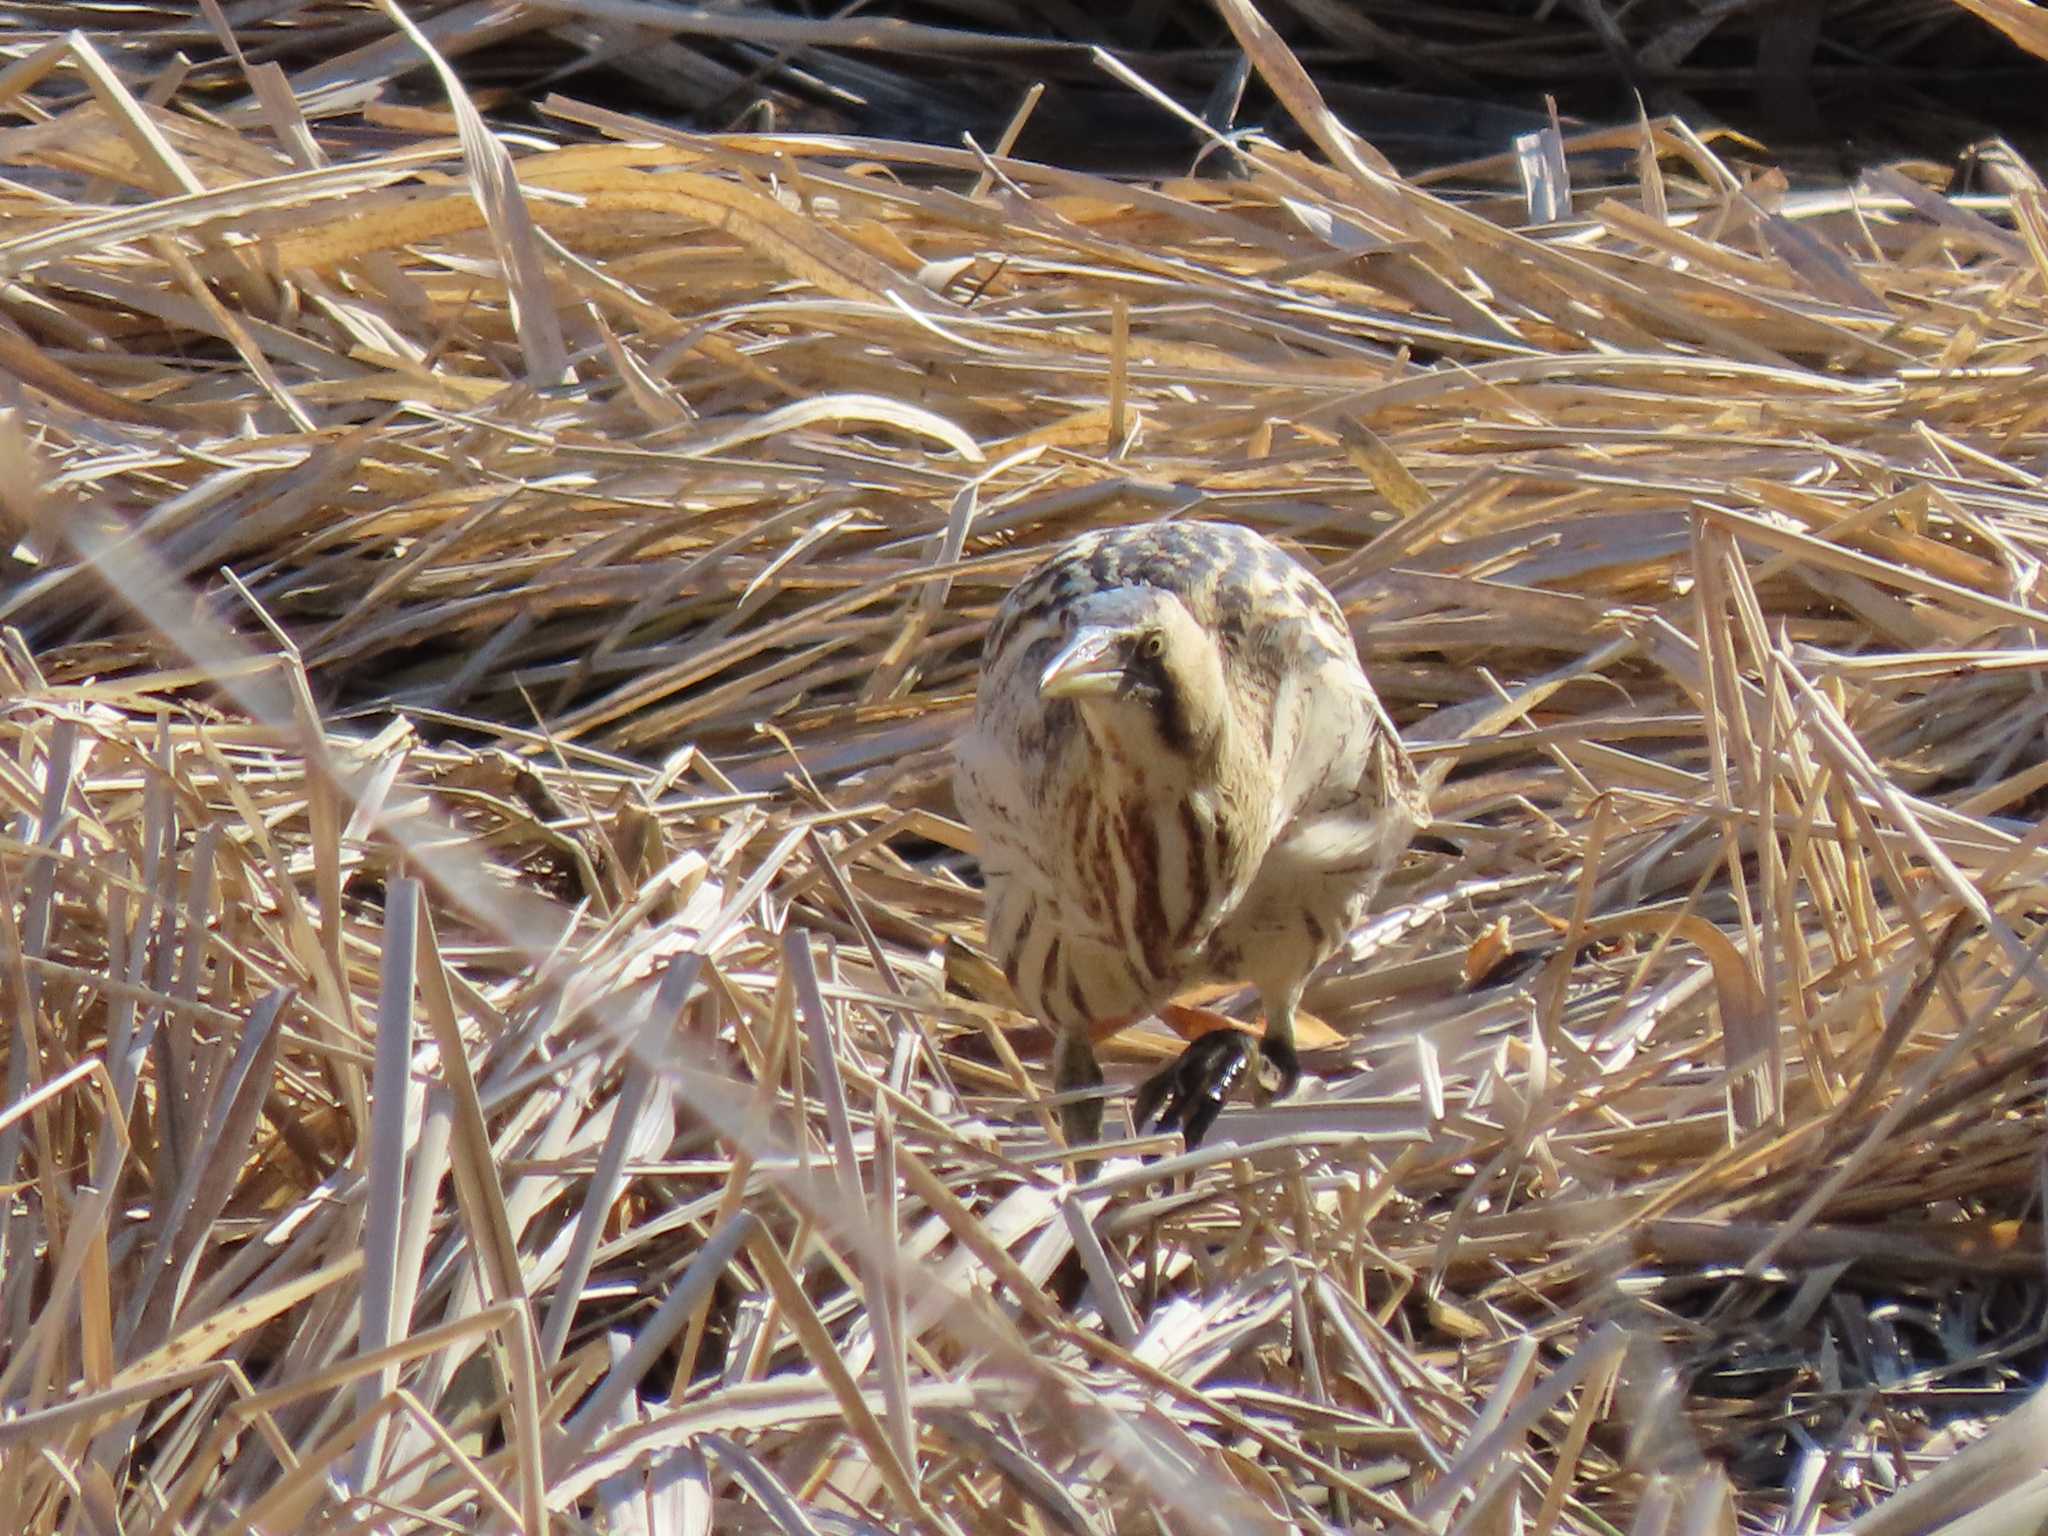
(1178, 774)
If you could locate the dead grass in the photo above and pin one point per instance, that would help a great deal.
(495, 1031)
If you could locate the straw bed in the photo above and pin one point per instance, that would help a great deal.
(497, 1030)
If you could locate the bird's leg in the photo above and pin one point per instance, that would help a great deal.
(1279, 1067)
(1074, 1068)
(1191, 1093)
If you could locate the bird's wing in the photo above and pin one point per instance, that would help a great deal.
(1349, 792)
(989, 791)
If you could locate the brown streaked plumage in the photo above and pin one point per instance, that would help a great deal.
(1179, 774)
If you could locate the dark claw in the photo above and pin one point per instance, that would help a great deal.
(1191, 1093)
(1279, 1070)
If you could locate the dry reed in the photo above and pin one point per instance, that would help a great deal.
(496, 1036)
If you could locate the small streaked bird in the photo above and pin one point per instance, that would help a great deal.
(1179, 775)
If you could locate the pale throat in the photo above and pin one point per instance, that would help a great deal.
(1128, 741)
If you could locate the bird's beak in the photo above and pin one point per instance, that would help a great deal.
(1091, 666)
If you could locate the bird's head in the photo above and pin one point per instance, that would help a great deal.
(1135, 657)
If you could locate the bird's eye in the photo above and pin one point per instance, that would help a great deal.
(1153, 646)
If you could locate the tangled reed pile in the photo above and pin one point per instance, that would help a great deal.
(495, 1029)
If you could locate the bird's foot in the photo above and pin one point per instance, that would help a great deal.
(1190, 1094)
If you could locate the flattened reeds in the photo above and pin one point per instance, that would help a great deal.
(496, 1030)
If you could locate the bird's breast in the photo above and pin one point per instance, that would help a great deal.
(1152, 868)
